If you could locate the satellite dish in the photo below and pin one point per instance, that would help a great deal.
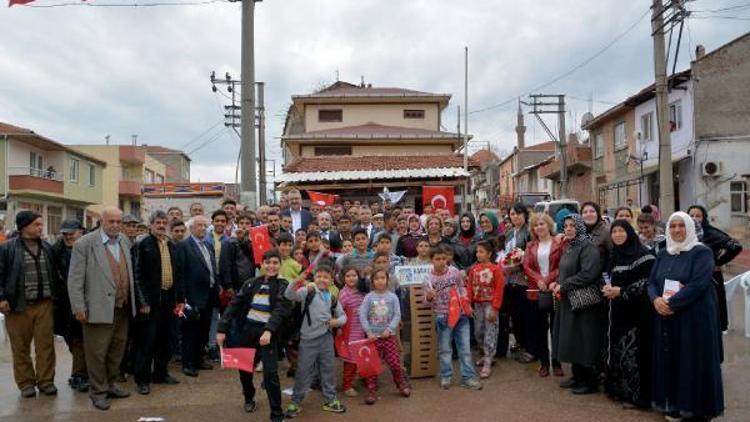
(586, 118)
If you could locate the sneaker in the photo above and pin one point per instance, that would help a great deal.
(83, 386)
(471, 384)
(28, 392)
(371, 398)
(259, 367)
(673, 417)
(404, 389)
(48, 390)
(334, 406)
(558, 371)
(292, 410)
(351, 392)
(485, 372)
(445, 383)
(250, 406)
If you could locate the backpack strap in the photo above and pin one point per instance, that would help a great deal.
(306, 308)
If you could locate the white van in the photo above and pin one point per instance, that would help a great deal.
(551, 208)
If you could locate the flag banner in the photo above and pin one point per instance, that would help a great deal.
(367, 358)
(392, 197)
(322, 199)
(439, 197)
(261, 241)
(238, 358)
(341, 341)
(12, 2)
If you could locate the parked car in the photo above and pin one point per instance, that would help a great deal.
(551, 208)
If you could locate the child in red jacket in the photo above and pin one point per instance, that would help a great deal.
(485, 283)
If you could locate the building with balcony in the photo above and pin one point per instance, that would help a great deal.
(177, 164)
(485, 179)
(128, 168)
(354, 140)
(45, 176)
(579, 171)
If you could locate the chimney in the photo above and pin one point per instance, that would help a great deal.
(520, 128)
(135, 139)
(700, 51)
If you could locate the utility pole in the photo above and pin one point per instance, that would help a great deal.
(666, 182)
(247, 160)
(538, 108)
(262, 191)
(464, 204)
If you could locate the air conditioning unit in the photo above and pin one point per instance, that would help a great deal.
(713, 169)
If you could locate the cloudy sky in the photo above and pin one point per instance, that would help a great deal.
(77, 74)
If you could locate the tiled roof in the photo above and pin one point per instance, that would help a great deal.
(484, 155)
(345, 89)
(376, 163)
(374, 131)
(6, 128)
(157, 150)
(544, 146)
(43, 142)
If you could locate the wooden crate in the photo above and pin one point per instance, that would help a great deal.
(423, 347)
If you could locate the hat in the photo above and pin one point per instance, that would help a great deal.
(26, 217)
(70, 225)
(130, 218)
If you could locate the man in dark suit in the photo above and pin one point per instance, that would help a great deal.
(197, 268)
(365, 223)
(301, 217)
(327, 232)
(156, 273)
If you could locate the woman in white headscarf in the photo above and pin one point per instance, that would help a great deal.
(687, 374)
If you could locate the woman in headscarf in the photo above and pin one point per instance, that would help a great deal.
(724, 248)
(407, 244)
(449, 228)
(629, 331)
(467, 234)
(489, 225)
(560, 219)
(687, 371)
(578, 332)
(598, 229)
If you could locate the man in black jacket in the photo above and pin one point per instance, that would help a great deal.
(254, 318)
(157, 275)
(65, 324)
(236, 263)
(28, 284)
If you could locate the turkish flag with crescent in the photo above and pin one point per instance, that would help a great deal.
(12, 2)
(261, 241)
(367, 358)
(322, 199)
(439, 197)
(238, 358)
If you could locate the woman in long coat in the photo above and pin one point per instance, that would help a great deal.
(630, 319)
(687, 370)
(578, 334)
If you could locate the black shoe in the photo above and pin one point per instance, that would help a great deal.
(28, 392)
(584, 389)
(168, 379)
(204, 366)
(117, 393)
(250, 406)
(48, 390)
(101, 403)
(122, 378)
(569, 383)
(190, 372)
(83, 386)
(74, 382)
(290, 373)
(143, 389)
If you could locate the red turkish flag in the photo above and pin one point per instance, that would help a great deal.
(322, 199)
(342, 339)
(12, 2)
(261, 241)
(238, 358)
(367, 358)
(439, 197)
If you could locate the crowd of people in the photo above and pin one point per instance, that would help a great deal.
(635, 304)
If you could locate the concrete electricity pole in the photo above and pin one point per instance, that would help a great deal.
(464, 204)
(538, 107)
(247, 161)
(666, 182)
(262, 190)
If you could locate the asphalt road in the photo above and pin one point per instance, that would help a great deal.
(513, 393)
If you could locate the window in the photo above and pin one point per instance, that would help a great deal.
(738, 197)
(413, 114)
(675, 116)
(54, 219)
(647, 126)
(330, 115)
(36, 164)
(159, 178)
(333, 150)
(598, 145)
(148, 176)
(620, 140)
(74, 165)
(92, 175)
(135, 209)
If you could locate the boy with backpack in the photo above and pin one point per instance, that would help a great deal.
(321, 314)
(254, 317)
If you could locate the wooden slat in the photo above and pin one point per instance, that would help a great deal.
(423, 336)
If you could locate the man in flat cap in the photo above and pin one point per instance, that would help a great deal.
(28, 280)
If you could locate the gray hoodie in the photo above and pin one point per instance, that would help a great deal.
(320, 311)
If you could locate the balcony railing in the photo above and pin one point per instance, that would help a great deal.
(50, 173)
(33, 179)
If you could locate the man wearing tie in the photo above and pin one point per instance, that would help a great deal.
(197, 265)
(301, 218)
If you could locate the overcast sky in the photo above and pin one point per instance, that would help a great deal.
(76, 74)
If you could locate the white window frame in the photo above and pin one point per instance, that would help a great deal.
(623, 143)
(647, 126)
(74, 168)
(675, 115)
(599, 145)
(742, 192)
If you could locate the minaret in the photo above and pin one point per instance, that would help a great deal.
(520, 128)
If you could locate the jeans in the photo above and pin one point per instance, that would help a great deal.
(460, 333)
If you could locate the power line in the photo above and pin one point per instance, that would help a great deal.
(155, 4)
(572, 70)
(202, 134)
(209, 141)
(724, 9)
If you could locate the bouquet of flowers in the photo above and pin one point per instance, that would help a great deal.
(512, 265)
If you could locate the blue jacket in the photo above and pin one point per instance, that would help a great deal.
(195, 274)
